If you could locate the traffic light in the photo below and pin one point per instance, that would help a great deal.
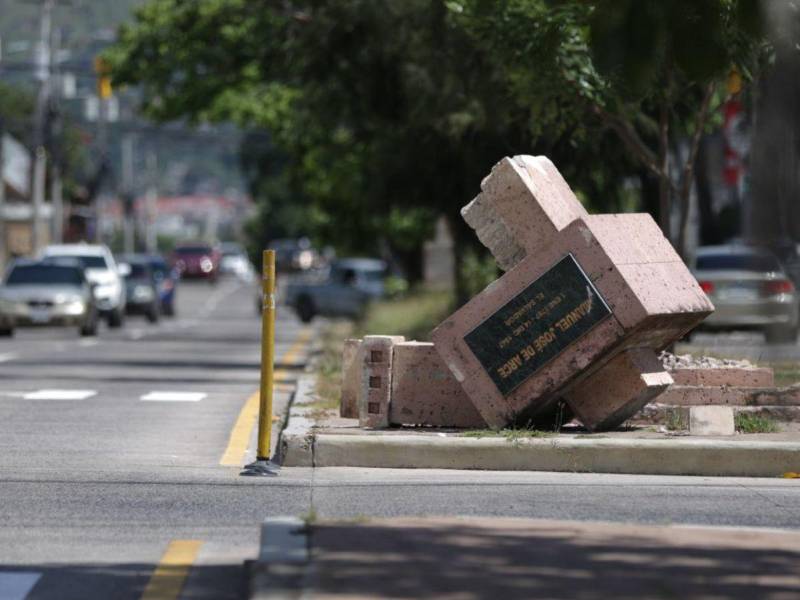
(103, 71)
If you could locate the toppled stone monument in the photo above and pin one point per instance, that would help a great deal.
(585, 305)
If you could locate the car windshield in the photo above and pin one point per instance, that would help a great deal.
(44, 275)
(738, 262)
(159, 267)
(190, 250)
(88, 262)
(138, 271)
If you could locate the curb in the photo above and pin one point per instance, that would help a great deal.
(603, 455)
(295, 442)
(282, 568)
(301, 446)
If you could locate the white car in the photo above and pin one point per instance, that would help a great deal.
(102, 273)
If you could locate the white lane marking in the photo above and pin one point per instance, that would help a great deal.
(14, 394)
(60, 395)
(16, 586)
(7, 356)
(136, 334)
(173, 396)
(87, 343)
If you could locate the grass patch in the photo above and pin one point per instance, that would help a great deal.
(510, 434)
(750, 423)
(328, 366)
(786, 374)
(413, 315)
(676, 419)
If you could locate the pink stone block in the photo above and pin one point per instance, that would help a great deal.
(376, 380)
(524, 203)
(690, 395)
(619, 389)
(424, 391)
(352, 364)
(759, 377)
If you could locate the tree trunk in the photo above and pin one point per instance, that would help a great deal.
(664, 187)
(709, 231)
(687, 177)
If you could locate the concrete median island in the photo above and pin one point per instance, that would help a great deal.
(569, 339)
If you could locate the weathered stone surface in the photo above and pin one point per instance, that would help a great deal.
(524, 203)
(619, 389)
(760, 377)
(376, 380)
(424, 391)
(352, 364)
(711, 420)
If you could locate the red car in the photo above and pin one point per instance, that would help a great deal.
(196, 261)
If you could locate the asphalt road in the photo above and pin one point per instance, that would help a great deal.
(109, 481)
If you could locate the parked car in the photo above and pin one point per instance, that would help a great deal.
(234, 261)
(343, 291)
(141, 287)
(41, 293)
(749, 289)
(294, 254)
(166, 283)
(101, 270)
(199, 261)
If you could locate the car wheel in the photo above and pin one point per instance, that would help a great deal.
(115, 318)
(781, 334)
(89, 329)
(305, 309)
(6, 332)
(152, 314)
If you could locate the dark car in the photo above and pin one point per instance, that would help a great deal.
(294, 255)
(141, 288)
(166, 283)
(198, 261)
(42, 293)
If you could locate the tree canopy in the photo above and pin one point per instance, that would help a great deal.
(385, 113)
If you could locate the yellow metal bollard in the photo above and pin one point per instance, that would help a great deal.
(267, 355)
(263, 465)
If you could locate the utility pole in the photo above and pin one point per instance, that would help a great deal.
(151, 198)
(103, 95)
(43, 61)
(3, 242)
(56, 153)
(126, 194)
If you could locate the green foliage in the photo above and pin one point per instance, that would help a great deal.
(750, 423)
(413, 316)
(383, 114)
(478, 269)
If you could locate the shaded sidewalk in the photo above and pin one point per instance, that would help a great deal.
(459, 558)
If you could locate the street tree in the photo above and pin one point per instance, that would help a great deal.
(649, 71)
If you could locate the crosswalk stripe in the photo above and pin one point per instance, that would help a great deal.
(17, 585)
(7, 356)
(60, 395)
(173, 396)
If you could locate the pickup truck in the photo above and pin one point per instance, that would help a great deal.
(343, 291)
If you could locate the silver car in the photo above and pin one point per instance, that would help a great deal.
(47, 293)
(749, 289)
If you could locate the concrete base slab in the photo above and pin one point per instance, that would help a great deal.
(711, 420)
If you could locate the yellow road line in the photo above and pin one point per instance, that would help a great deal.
(243, 428)
(170, 574)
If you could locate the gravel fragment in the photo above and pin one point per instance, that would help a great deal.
(687, 361)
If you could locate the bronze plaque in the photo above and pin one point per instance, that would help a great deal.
(537, 324)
